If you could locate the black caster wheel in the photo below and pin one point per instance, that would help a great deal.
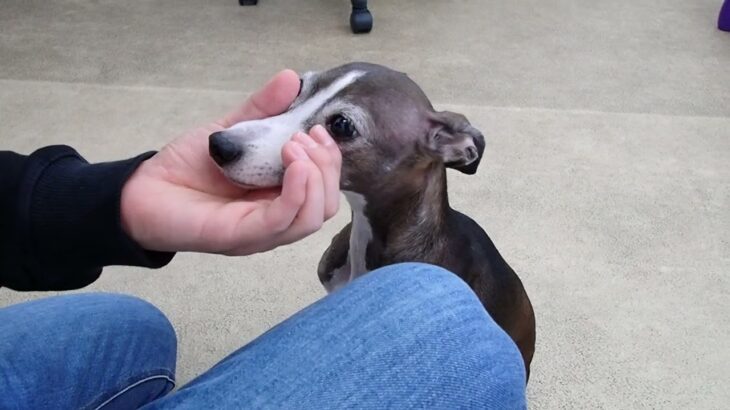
(361, 21)
(248, 2)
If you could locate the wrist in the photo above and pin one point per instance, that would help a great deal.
(125, 209)
(74, 217)
(131, 207)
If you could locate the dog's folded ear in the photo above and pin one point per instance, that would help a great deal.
(453, 139)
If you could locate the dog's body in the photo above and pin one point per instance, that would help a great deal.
(395, 150)
(441, 236)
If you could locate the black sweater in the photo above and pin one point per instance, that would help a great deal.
(60, 222)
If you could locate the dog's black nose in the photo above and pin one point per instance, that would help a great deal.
(222, 149)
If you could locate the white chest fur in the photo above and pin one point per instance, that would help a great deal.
(360, 235)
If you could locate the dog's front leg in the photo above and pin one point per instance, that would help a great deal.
(334, 262)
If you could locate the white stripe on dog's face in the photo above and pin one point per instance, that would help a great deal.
(262, 140)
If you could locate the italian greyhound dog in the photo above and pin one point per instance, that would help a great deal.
(395, 151)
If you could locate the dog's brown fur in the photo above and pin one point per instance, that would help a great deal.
(400, 170)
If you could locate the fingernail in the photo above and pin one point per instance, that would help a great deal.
(322, 135)
(306, 140)
(299, 152)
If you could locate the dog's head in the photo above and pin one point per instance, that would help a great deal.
(381, 120)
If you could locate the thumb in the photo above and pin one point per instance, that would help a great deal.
(272, 99)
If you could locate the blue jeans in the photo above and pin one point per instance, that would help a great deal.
(405, 336)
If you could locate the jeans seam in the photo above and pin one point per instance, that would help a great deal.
(133, 385)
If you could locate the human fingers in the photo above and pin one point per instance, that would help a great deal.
(332, 173)
(282, 211)
(323, 151)
(311, 214)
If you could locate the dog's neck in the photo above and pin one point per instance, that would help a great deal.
(403, 222)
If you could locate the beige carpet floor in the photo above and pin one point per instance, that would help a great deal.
(605, 184)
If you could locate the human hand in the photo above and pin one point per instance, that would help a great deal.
(178, 200)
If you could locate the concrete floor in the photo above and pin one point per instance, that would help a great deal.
(605, 183)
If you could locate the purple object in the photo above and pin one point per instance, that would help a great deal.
(723, 22)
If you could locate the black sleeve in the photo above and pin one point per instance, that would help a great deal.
(60, 222)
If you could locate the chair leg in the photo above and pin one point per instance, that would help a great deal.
(723, 22)
(361, 21)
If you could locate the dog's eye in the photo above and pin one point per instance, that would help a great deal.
(341, 127)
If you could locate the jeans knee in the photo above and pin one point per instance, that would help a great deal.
(129, 317)
(126, 307)
(419, 290)
(429, 279)
(117, 345)
(436, 290)
(132, 311)
(437, 308)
